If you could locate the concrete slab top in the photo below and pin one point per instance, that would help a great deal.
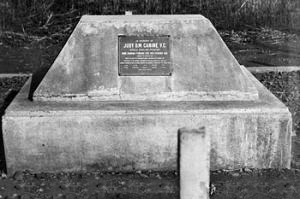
(22, 106)
(103, 18)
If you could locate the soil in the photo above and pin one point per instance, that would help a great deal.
(264, 47)
(245, 183)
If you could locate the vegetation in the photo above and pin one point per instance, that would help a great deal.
(20, 15)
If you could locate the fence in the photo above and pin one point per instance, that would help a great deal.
(224, 13)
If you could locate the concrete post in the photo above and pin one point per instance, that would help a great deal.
(129, 12)
(194, 148)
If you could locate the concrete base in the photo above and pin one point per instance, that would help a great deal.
(127, 135)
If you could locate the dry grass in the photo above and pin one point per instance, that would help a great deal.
(226, 14)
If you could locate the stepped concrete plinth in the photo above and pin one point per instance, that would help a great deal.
(121, 88)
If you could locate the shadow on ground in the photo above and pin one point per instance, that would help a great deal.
(9, 87)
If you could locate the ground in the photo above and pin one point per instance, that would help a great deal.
(264, 47)
(244, 183)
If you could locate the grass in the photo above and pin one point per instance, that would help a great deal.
(225, 14)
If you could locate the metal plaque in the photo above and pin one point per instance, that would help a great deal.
(144, 56)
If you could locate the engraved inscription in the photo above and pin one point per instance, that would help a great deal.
(144, 55)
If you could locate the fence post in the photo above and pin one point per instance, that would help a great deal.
(194, 161)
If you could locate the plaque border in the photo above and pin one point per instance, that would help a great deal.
(139, 74)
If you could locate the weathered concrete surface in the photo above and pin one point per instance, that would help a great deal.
(203, 67)
(126, 135)
(194, 163)
(84, 116)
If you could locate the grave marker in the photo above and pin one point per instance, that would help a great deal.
(97, 108)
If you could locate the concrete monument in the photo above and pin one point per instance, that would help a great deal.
(121, 88)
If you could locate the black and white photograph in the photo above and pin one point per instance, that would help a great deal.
(150, 99)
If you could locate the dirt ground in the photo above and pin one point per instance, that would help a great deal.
(264, 47)
(244, 183)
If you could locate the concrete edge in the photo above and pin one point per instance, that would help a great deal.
(10, 75)
(15, 110)
(80, 113)
(251, 69)
(164, 96)
(273, 69)
(261, 87)
(109, 18)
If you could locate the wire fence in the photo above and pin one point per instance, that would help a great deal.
(225, 14)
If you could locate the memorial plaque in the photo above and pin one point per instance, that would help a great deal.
(144, 56)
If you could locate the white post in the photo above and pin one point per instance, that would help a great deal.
(128, 12)
(194, 149)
